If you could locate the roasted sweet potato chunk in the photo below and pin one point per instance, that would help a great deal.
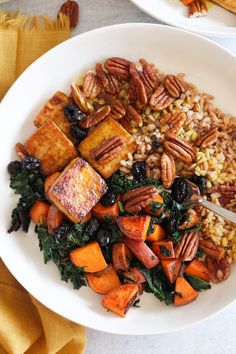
(120, 299)
(51, 146)
(142, 252)
(108, 129)
(171, 268)
(121, 256)
(134, 227)
(104, 281)
(198, 269)
(158, 234)
(102, 212)
(77, 190)
(89, 257)
(164, 249)
(184, 293)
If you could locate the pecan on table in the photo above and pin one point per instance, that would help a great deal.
(91, 86)
(71, 9)
(138, 198)
(208, 138)
(171, 122)
(132, 119)
(197, 8)
(108, 150)
(160, 99)
(118, 67)
(219, 270)
(80, 99)
(117, 108)
(188, 246)
(110, 83)
(174, 85)
(179, 148)
(148, 75)
(212, 250)
(168, 170)
(93, 118)
(137, 91)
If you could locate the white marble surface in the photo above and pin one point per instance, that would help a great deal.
(217, 334)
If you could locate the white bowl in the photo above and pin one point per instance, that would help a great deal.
(218, 22)
(206, 64)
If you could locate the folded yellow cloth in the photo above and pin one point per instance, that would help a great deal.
(26, 326)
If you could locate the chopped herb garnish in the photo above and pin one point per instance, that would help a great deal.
(197, 283)
(165, 251)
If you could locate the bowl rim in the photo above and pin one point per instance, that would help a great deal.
(6, 259)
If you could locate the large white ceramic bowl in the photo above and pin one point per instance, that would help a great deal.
(206, 64)
(218, 22)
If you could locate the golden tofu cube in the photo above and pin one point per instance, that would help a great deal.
(51, 146)
(108, 129)
(77, 189)
(53, 110)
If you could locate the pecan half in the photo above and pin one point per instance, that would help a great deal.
(80, 99)
(208, 138)
(71, 9)
(197, 9)
(171, 122)
(174, 85)
(227, 193)
(21, 151)
(179, 148)
(117, 108)
(168, 170)
(132, 119)
(188, 246)
(108, 150)
(219, 270)
(138, 198)
(148, 76)
(108, 81)
(137, 89)
(160, 99)
(91, 86)
(118, 67)
(93, 118)
(211, 249)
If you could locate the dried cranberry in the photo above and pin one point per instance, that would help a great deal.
(30, 164)
(139, 170)
(155, 143)
(181, 190)
(77, 133)
(61, 231)
(14, 167)
(72, 112)
(103, 237)
(169, 224)
(108, 199)
(200, 181)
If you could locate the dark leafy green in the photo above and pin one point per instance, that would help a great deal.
(197, 283)
(165, 251)
(155, 206)
(199, 253)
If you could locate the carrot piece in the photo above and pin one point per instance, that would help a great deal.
(89, 257)
(120, 299)
(198, 269)
(141, 251)
(54, 218)
(86, 218)
(101, 212)
(38, 211)
(171, 268)
(163, 249)
(184, 293)
(150, 209)
(49, 181)
(187, 2)
(121, 256)
(157, 235)
(192, 219)
(104, 281)
(134, 227)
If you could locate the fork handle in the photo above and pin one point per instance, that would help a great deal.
(226, 214)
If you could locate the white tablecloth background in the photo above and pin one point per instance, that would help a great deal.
(217, 335)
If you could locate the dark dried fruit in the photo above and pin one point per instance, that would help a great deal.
(139, 170)
(155, 143)
(77, 133)
(30, 164)
(169, 223)
(61, 231)
(200, 181)
(108, 199)
(103, 237)
(14, 167)
(91, 228)
(181, 190)
(72, 112)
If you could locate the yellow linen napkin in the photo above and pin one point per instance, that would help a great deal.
(26, 326)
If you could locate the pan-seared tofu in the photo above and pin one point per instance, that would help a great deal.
(51, 146)
(108, 129)
(54, 110)
(77, 189)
